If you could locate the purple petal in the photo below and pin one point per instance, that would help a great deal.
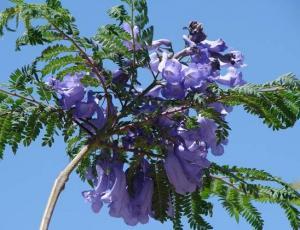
(232, 79)
(176, 175)
(216, 46)
(173, 91)
(172, 71)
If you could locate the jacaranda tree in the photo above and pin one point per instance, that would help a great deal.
(142, 149)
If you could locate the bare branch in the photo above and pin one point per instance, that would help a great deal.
(59, 185)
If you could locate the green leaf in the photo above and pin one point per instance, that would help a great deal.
(277, 102)
(54, 4)
(5, 127)
(58, 63)
(292, 214)
(88, 80)
(52, 52)
(147, 35)
(119, 13)
(20, 78)
(141, 19)
(177, 204)
(5, 17)
(161, 198)
(72, 70)
(250, 213)
(194, 207)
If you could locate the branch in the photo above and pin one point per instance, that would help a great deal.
(90, 63)
(59, 185)
(226, 182)
(20, 96)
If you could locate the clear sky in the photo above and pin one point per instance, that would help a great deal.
(268, 33)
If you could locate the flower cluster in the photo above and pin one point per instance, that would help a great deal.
(132, 203)
(72, 97)
(201, 63)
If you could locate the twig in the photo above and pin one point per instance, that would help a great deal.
(59, 186)
(20, 96)
(226, 182)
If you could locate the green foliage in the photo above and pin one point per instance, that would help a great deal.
(19, 79)
(232, 186)
(141, 19)
(160, 201)
(37, 36)
(147, 35)
(177, 202)
(74, 144)
(292, 213)
(59, 63)
(22, 122)
(5, 126)
(5, 17)
(194, 207)
(277, 102)
(111, 38)
(119, 13)
(54, 4)
(52, 52)
(90, 81)
(23, 118)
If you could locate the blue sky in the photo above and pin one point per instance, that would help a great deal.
(266, 31)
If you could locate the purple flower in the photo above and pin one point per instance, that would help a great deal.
(119, 77)
(157, 43)
(233, 78)
(176, 174)
(170, 69)
(154, 92)
(202, 56)
(96, 123)
(117, 196)
(173, 91)
(132, 44)
(191, 76)
(234, 58)
(109, 187)
(141, 200)
(237, 59)
(94, 198)
(215, 46)
(101, 184)
(195, 74)
(127, 27)
(86, 109)
(221, 108)
(154, 62)
(207, 133)
(165, 121)
(70, 89)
